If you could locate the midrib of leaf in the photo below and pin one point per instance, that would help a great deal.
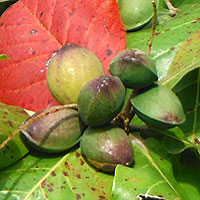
(42, 25)
(145, 151)
(43, 178)
(196, 107)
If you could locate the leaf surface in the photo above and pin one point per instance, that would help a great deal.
(151, 177)
(11, 117)
(169, 35)
(31, 31)
(60, 177)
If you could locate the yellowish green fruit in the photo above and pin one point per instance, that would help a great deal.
(69, 69)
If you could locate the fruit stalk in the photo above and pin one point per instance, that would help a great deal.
(39, 116)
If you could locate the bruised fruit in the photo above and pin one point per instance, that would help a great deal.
(100, 100)
(56, 132)
(135, 13)
(135, 68)
(159, 107)
(106, 147)
(69, 69)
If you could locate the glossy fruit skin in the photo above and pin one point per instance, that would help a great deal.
(135, 13)
(69, 69)
(105, 147)
(159, 107)
(100, 100)
(135, 68)
(55, 132)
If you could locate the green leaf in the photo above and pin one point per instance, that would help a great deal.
(187, 58)
(10, 119)
(43, 176)
(187, 173)
(152, 176)
(169, 36)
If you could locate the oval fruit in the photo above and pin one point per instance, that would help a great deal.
(56, 132)
(69, 69)
(135, 68)
(135, 13)
(159, 107)
(106, 147)
(100, 100)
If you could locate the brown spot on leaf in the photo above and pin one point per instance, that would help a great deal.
(161, 158)
(10, 123)
(65, 174)
(102, 197)
(43, 184)
(74, 188)
(196, 21)
(170, 117)
(158, 33)
(78, 176)
(78, 196)
(93, 189)
(53, 173)
(82, 162)
(78, 154)
(67, 165)
(197, 141)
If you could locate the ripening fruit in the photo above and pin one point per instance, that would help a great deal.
(106, 147)
(100, 100)
(69, 69)
(159, 107)
(135, 68)
(56, 132)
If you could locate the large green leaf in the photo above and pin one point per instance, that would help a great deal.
(10, 119)
(151, 177)
(169, 36)
(41, 176)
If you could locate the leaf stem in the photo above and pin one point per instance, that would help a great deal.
(153, 28)
(35, 118)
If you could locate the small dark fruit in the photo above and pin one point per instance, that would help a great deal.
(100, 100)
(106, 147)
(56, 132)
(135, 68)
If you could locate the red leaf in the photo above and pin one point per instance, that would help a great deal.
(31, 30)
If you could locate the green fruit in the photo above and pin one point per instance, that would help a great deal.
(56, 132)
(135, 68)
(106, 147)
(159, 107)
(100, 100)
(69, 69)
(136, 13)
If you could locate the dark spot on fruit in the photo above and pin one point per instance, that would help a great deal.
(170, 117)
(11, 156)
(72, 12)
(33, 52)
(78, 196)
(43, 184)
(41, 14)
(33, 32)
(197, 141)
(78, 154)
(78, 176)
(7, 147)
(1, 24)
(93, 189)
(53, 173)
(65, 174)
(109, 52)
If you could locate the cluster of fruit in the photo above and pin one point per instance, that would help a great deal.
(76, 75)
